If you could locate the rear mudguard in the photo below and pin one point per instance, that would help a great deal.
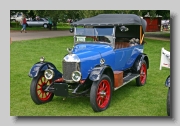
(167, 83)
(139, 59)
(42, 66)
(97, 72)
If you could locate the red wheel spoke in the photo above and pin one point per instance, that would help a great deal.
(105, 88)
(39, 94)
(40, 85)
(39, 89)
(100, 101)
(45, 81)
(45, 94)
(98, 98)
(40, 82)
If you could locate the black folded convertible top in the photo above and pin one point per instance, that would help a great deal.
(112, 20)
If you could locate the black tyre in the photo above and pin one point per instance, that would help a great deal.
(168, 103)
(45, 25)
(141, 80)
(37, 88)
(100, 94)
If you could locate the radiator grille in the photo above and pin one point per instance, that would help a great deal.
(68, 68)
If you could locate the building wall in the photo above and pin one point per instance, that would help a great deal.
(153, 25)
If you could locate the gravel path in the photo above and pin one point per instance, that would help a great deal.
(18, 36)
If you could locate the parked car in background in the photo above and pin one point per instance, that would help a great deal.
(42, 22)
(18, 17)
(167, 84)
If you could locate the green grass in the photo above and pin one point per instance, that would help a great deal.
(162, 34)
(130, 100)
(166, 35)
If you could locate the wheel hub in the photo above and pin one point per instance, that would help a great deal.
(142, 73)
(44, 87)
(102, 94)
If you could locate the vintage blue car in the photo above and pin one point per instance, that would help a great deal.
(107, 54)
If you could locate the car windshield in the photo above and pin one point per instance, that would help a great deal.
(94, 35)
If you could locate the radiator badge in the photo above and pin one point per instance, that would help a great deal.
(102, 61)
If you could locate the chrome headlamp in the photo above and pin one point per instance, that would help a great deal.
(49, 74)
(76, 76)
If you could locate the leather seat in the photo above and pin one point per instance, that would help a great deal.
(119, 45)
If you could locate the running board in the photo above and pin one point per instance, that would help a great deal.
(128, 79)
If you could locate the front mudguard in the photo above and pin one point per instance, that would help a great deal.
(42, 66)
(167, 82)
(98, 71)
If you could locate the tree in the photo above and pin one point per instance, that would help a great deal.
(164, 13)
(63, 15)
(153, 13)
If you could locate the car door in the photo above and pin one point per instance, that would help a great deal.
(41, 22)
(32, 23)
(125, 57)
(121, 57)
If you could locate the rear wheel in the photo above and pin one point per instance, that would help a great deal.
(141, 80)
(100, 94)
(45, 25)
(37, 88)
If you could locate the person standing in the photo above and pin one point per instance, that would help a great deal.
(37, 18)
(50, 23)
(23, 24)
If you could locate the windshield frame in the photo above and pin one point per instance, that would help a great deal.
(109, 36)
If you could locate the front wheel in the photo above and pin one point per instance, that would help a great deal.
(38, 85)
(168, 103)
(100, 94)
(141, 80)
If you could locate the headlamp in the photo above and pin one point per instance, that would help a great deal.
(76, 76)
(49, 74)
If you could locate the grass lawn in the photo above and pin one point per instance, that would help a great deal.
(130, 100)
(163, 34)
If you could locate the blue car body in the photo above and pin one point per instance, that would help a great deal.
(118, 60)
